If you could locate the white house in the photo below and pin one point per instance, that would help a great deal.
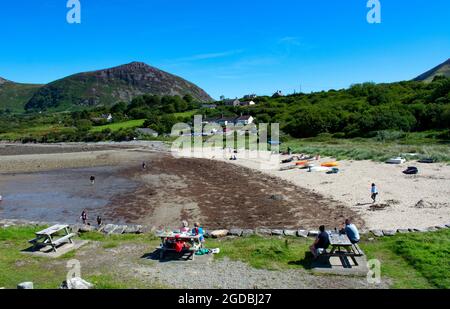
(108, 117)
(248, 103)
(244, 120)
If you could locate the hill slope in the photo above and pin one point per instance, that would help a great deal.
(14, 96)
(441, 70)
(109, 86)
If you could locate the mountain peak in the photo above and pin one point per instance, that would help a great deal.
(109, 86)
(441, 70)
(2, 81)
(134, 65)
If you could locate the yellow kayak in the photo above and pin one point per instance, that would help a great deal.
(329, 164)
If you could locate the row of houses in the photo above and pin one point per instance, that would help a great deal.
(234, 102)
(224, 121)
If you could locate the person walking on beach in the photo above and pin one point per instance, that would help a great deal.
(84, 216)
(144, 165)
(99, 221)
(374, 192)
(92, 180)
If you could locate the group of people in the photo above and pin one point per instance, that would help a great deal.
(178, 243)
(84, 219)
(322, 241)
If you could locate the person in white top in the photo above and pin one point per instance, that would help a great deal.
(185, 228)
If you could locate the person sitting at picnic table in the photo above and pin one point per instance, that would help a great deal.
(179, 244)
(198, 230)
(321, 243)
(351, 231)
(185, 227)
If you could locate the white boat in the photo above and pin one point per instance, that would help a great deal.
(319, 169)
(397, 160)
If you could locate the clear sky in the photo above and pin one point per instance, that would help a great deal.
(231, 47)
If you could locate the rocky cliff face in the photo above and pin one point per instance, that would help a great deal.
(109, 86)
(441, 70)
(2, 81)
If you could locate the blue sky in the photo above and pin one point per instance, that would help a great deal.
(231, 47)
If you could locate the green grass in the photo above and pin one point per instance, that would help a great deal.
(426, 144)
(416, 260)
(186, 114)
(120, 125)
(37, 131)
(427, 255)
(268, 253)
(16, 267)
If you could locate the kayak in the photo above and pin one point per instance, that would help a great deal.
(397, 160)
(329, 164)
(319, 169)
(301, 162)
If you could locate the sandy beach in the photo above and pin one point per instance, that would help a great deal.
(405, 201)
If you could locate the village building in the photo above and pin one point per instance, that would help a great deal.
(250, 96)
(278, 94)
(248, 103)
(244, 120)
(234, 102)
(209, 106)
(147, 131)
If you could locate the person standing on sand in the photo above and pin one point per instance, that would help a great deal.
(99, 221)
(144, 165)
(84, 217)
(92, 180)
(374, 192)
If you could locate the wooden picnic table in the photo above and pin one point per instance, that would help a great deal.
(338, 241)
(193, 239)
(48, 237)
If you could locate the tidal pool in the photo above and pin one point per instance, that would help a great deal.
(61, 195)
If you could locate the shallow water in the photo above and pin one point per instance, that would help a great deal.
(61, 195)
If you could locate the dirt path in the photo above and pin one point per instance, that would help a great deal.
(132, 261)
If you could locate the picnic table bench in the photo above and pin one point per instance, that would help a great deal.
(194, 240)
(48, 237)
(338, 241)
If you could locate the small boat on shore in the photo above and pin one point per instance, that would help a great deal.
(329, 164)
(397, 160)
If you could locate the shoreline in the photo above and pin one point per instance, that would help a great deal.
(407, 202)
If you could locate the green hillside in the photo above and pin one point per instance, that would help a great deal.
(14, 96)
(110, 86)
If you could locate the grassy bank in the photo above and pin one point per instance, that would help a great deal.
(379, 148)
(418, 260)
(131, 124)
